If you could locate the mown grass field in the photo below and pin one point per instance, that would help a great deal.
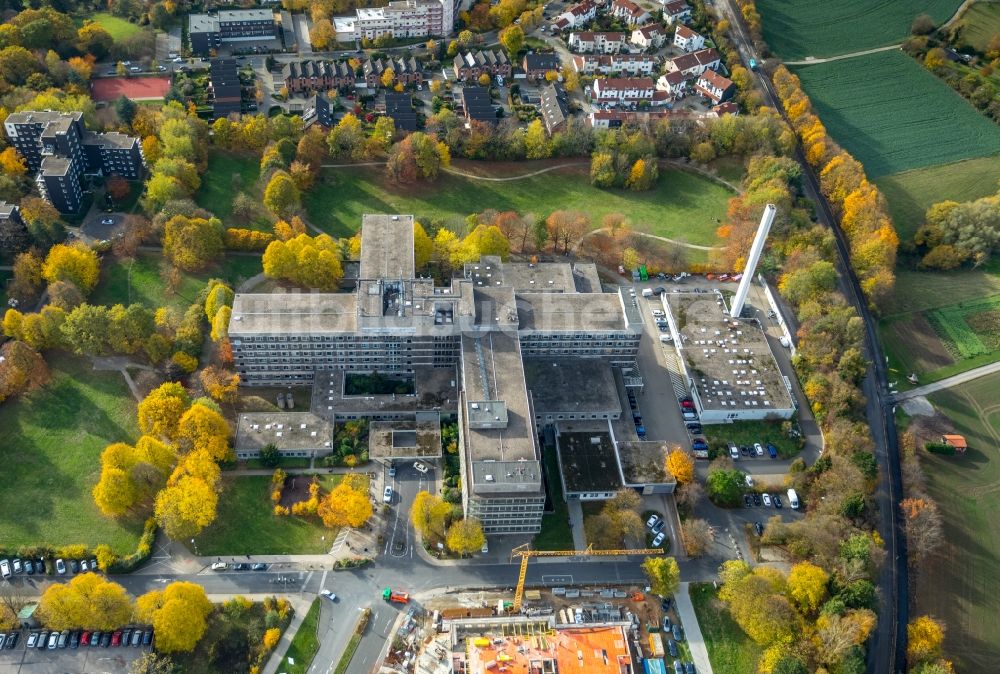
(980, 23)
(52, 442)
(958, 584)
(683, 205)
(729, 648)
(795, 29)
(118, 28)
(911, 193)
(124, 281)
(305, 643)
(893, 115)
(247, 524)
(228, 174)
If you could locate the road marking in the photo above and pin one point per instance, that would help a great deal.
(557, 579)
(322, 582)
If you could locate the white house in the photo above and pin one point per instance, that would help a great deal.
(676, 11)
(633, 65)
(695, 63)
(618, 90)
(714, 86)
(688, 40)
(675, 83)
(630, 13)
(652, 35)
(591, 42)
(576, 16)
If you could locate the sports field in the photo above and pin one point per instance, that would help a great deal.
(980, 23)
(136, 88)
(118, 28)
(959, 584)
(795, 29)
(893, 115)
(682, 206)
(911, 193)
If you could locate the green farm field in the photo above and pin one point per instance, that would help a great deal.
(958, 583)
(795, 29)
(683, 206)
(893, 115)
(118, 28)
(911, 193)
(52, 443)
(980, 23)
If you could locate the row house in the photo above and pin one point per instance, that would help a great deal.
(687, 39)
(630, 13)
(310, 76)
(615, 64)
(614, 119)
(578, 15)
(406, 71)
(591, 42)
(674, 83)
(618, 90)
(676, 11)
(695, 63)
(469, 66)
(537, 65)
(651, 36)
(714, 86)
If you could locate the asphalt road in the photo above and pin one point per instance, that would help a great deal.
(887, 649)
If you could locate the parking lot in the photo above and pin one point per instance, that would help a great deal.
(80, 660)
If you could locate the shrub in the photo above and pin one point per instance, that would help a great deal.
(142, 552)
(940, 448)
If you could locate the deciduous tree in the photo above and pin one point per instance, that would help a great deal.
(697, 536)
(281, 196)
(192, 244)
(178, 613)
(663, 573)
(807, 586)
(465, 536)
(22, 369)
(222, 385)
(161, 410)
(88, 601)
(311, 262)
(429, 515)
(75, 263)
(680, 465)
(185, 507)
(202, 429)
(345, 505)
(925, 635)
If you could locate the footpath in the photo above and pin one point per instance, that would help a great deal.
(692, 631)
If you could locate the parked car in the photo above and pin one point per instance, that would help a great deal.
(242, 566)
(126, 635)
(259, 566)
(218, 566)
(658, 527)
(767, 500)
(748, 479)
(85, 638)
(32, 640)
(756, 499)
(678, 633)
(74, 639)
(734, 453)
(392, 470)
(60, 567)
(672, 647)
(105, 639)
(329, 595)
(17, 566)
(771, 450)
(777, 501)
(43, 638)
(29, 567)
(84, 565)
(136, 637)
(387, 495)
(95, 639)
(4, 568)
(421, 468)
(689, 668)
(658, 541)
(63, 639)
(53, 641)
(42, 568)
(147, 637)
(747, 500)
(93, 565)
(11, 641)
(666, 623)
(651, 522)
(678, 667)
(699, 443)
(107, 221)
(694, 427)
(758, 528)
(758, 449)
(74, 565)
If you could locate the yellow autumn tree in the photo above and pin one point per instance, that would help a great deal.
(680, 465)
(185, 507)
(924, 637)
(203, 429)
(429, 515)
(347, 504)
(465, 536)
(88, 601)
(74, 263)
(807, 586)
(179, 615)
(161, 410)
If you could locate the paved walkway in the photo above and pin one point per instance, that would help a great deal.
(948, 382)
(301, 606)
(808, 61)
(575, 509)
(692, 632)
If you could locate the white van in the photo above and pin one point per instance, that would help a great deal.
(793, 499)
(647, 292)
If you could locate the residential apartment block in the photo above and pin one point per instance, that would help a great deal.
(618, 90)
(486, 323)
(695, 63)
(633, 65)
(209, 31)
(687, 39)
(651, 36)
(630, 12)
(578, 15)
(715, 87)
(224, 88)
(676, 11)
(593, 42)
(404, 18)
(58, 147)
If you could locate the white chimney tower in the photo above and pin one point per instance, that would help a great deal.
(756, 249)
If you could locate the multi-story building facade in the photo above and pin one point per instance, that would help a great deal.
(715, 87)
(317, 75)
(487, 323)
(400, 19)
(633, 65)
(594, 42)
(405, 71)
(617, 90)
(695, 63)
(58, 147)
(469, 66)
(650, 36)
(576, 16)
(210, 31)
(687, 39)
(629, 12)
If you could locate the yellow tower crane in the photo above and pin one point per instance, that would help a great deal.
(526, 553)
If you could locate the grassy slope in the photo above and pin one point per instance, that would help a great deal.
(980, 23)
(958, 585)
(795, 29)
(220, 184)
(118, 28)
(893, 115)
(53, 439)
(730, 650)
(305, 643)
(147, 284)
(245, 508)
(683, 206)
(911, 193)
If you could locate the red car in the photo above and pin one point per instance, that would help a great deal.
(85, 639)
(687, 404)
(116, 638)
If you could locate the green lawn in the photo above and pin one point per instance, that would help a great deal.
(118, 28)
(304, 645)
(683, 206)
(144, 283)
(958, 584)
(246, 523)
(795, 29)
(556, 533)
(729, 648)
(53, 439)
(893, 115)
(980, 23)
(228, 174)
(911, 193)
(748, 432)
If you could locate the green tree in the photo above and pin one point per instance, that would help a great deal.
(725, 487)
(512, 38)
(602, 170)
(664, 575)
(126, 109)
(87, 329)
(281, 196)
(193, 243)
(270, 456)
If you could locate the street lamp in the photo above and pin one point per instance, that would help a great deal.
(195, 546)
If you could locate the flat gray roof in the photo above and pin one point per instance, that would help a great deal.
(287, 430)
(729, 360)
(572, 386)
(55, 166)
(588, 461)
(203, 23)
(567, 312)
(387, 247)
(586, 277)
(41, 116)
(643, 462)
(246, 15)
(435, 389)
(293, 314)
(404, 439)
